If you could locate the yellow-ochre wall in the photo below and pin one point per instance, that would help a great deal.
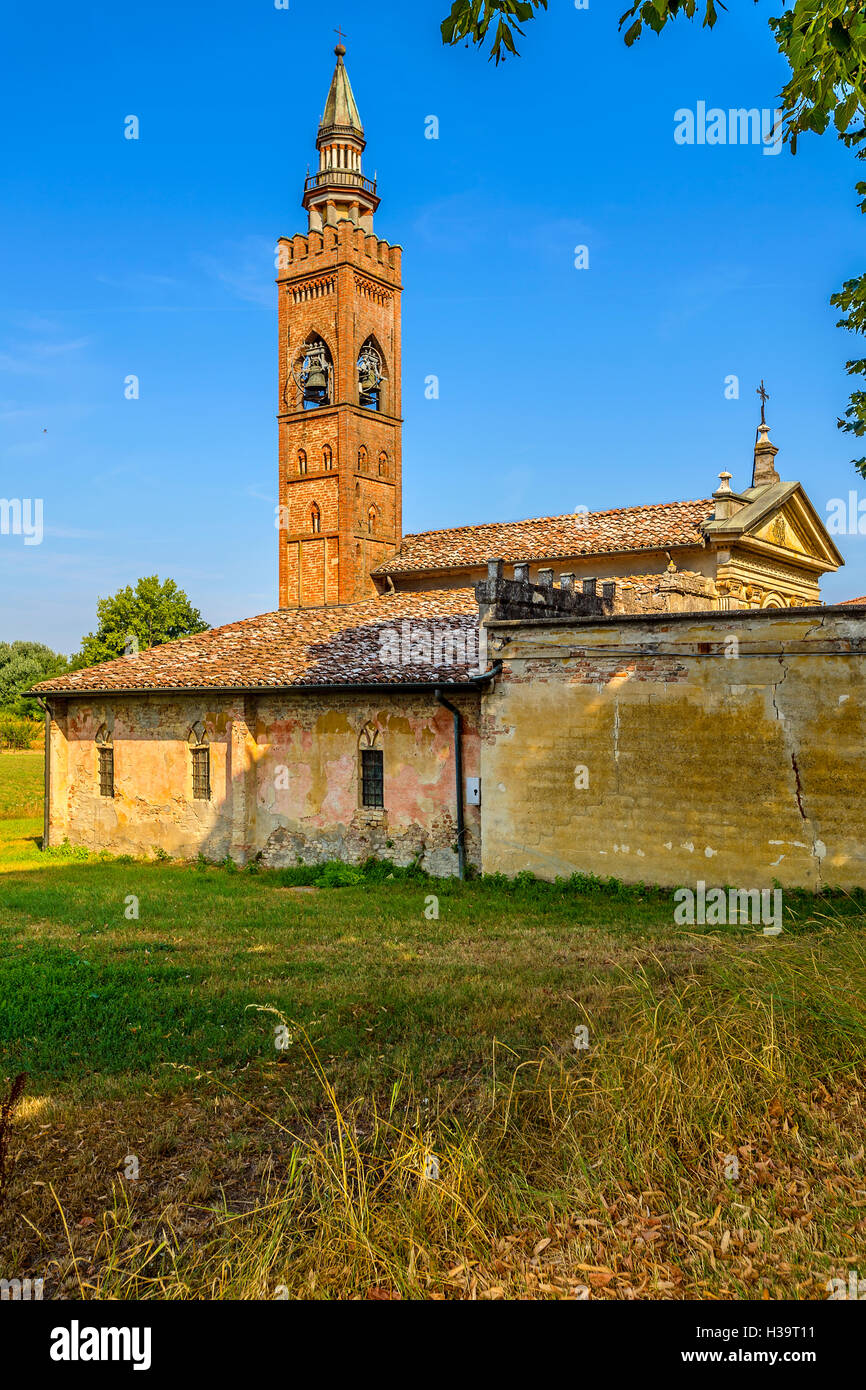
(284, 777)
(726, 747)
(723, 747)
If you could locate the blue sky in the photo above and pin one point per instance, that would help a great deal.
(559, 387)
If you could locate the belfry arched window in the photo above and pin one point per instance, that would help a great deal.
(328, 456)
(362, 459)
(371, 375)
(302, 460)
(383, 464)
(315, 519)
(313, 374)
(372, 521)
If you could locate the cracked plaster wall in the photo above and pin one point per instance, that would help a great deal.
(724, 747)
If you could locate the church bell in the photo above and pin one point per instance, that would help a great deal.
(317, 383)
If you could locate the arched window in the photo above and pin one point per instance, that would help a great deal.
(302, 460)
(371, 375)
(372, 521)
(362, 459)
(383, 464)
(105, 759)
(313, 375)
(372, 769)
(315, 519)
(328, 456)
(199, 750)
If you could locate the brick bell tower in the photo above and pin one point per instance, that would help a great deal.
(340, 428)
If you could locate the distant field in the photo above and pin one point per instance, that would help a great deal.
(706, 1141)
(20, 785)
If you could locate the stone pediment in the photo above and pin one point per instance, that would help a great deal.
(778, 521)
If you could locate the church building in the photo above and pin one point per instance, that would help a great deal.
(368, 714)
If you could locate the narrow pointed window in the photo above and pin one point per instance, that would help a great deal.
(372, 769)
(383, 464)
(199, 750)
(302, 460)
(316, 519)
(362, 459)
(328, 456)
(105, 755)
(372, 521)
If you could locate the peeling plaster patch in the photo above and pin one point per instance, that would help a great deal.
(502, 786)
(710, 852)
(843, 698)
(616, 731)
(820, 849)
(687, 844)
(640, 854)
(668, 844)
(777, 861)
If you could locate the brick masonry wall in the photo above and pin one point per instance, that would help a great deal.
(344, 286)
(741, 769)
(310, 810)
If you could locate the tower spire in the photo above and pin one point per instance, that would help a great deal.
(339, 190)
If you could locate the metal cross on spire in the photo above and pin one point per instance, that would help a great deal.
(765, 396)
(341, 36)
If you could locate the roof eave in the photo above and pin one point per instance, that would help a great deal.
(355, 687)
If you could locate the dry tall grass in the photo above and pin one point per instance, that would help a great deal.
(708, 1143)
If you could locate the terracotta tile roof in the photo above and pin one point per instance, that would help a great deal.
(310, 646)
(657, 527)
(845, 601)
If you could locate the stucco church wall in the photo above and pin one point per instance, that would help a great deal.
(723, 747)
(284, 778)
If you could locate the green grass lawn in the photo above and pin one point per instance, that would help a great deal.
(20, 785)
(413, 1037)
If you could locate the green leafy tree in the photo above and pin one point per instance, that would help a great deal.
(470, 20)
(151, 613)
(23, 664)
(824, 42)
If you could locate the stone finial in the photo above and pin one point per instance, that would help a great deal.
(545, 578)
(589, 587)
(764, 472)
(566, 582)
(723, 498)
(521, 573)
(494, 569)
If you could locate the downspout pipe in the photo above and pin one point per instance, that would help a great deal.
(458, 761)
(46, 812)
(458, 774)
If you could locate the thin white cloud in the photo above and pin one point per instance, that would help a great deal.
(246, 269)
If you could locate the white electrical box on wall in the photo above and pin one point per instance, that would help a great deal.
(473, 791)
